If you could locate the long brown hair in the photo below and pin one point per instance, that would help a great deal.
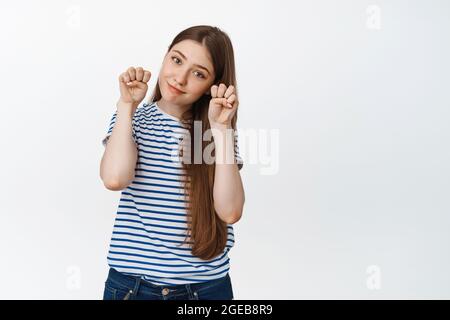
(208, 232)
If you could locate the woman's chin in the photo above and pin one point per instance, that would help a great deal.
(169, 97)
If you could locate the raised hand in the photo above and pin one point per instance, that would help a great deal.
(133, 85)
(223, 106)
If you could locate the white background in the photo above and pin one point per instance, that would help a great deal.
(361, 101)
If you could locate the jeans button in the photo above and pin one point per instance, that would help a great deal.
(165, 291)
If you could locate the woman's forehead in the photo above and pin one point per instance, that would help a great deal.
(194, 52)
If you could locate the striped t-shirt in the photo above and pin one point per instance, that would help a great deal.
(150, 224)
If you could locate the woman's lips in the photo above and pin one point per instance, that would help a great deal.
(174, 90)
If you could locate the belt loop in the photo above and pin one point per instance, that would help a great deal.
(189, 291)
(135, 290)
(136, 286)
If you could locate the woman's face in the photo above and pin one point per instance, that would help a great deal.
(187, 67)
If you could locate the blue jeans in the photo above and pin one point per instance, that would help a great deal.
(119, 286)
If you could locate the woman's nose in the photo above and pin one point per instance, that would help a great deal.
(181, 78)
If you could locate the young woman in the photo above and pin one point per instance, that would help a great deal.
(173, 228)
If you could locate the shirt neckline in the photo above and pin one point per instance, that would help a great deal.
(166, 114)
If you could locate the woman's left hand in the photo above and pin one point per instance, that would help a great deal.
(223, 106)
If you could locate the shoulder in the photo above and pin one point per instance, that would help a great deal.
(144, 111)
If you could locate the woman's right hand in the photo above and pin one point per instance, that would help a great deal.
(133, 85)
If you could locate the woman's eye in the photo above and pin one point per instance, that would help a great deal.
(176, 61)
(202, 76)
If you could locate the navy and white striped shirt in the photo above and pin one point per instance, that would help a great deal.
(150, 224)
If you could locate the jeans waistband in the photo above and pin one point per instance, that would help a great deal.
(136, 281)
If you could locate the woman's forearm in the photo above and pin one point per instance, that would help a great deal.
(120, 156)
(228, 190)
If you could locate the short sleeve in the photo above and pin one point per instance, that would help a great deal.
(135, 126)
(237, 154)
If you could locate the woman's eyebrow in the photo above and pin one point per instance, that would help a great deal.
(184, 57)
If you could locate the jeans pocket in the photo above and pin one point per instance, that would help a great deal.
(223, 290)
(114, 292)
(109, 293)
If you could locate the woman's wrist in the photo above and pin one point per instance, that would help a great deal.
(128, 107)
(220, 126)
